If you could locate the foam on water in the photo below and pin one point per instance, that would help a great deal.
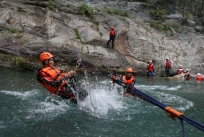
(160, 87)
(50, 108)
(175, 101)
(20, 94)
(35, 107)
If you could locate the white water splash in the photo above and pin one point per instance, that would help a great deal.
(100, 102)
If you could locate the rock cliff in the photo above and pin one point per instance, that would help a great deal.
(71, 31)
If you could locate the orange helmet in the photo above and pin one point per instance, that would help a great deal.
(129, 70)
(45, 56)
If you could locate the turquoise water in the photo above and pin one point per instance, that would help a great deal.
(28, 110)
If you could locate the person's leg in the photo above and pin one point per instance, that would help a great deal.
(113, 39)
(151, 74)
(107, 44)
(167, 72)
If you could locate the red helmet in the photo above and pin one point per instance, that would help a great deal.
(129, 70)
(45, 56)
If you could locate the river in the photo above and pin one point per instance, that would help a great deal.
(28, 110)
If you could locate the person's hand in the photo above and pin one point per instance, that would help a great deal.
(71, 74)
(113, 78)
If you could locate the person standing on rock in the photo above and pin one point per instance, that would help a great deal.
(167, 67)
(112, 36)
(150, 69)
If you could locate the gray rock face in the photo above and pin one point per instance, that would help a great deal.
(28, 28)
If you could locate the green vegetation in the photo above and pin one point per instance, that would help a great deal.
(187, 15)
(159, 14)
(18, 61)
(117, 12)
(86, 10)
(77, 34)
(13, 30)
(90, 56)
(51, 5)
(161, 26)
(101, 34)
(156, 25)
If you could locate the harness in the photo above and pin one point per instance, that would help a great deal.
(168, 64)
(199, 78)
(55, 75)
(150, 67)
(128, 81)
(112, 33)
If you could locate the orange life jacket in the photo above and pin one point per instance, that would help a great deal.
(112, 33)
(180, 71)
(150, 67)
(199, 78)
(168, 64)
(129, 81)
(55, 74)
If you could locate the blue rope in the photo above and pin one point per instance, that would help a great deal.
(143, 96)
(183, 129)
(79, 59)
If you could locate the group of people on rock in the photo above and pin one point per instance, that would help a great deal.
(150, 70)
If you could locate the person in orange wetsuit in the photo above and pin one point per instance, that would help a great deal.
(167, 66)
(53, 79)
(112, 36)
(180, 70)
(150, 69)
(199, 77)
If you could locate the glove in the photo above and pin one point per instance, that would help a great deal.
(113, 78)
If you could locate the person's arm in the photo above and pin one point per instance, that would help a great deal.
(70, 74)
(153, 68)
(133, 82)
(115, 34)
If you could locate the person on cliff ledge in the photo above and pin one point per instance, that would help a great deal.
(112, 35)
